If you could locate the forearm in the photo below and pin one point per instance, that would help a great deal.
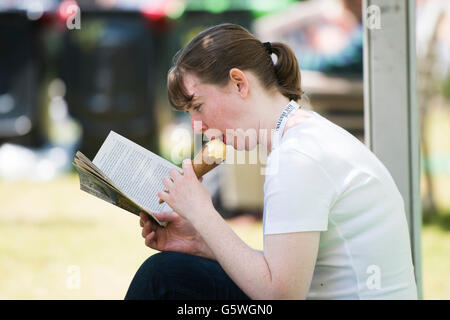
(205, 251)
(247, 267)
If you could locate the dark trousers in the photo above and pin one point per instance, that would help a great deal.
(174, 275)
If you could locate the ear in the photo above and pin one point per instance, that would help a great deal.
(239, 81)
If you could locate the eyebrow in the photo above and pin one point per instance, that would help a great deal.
(193, 101)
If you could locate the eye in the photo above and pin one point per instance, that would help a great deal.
(197, 107)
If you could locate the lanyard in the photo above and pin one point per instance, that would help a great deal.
(281, 123)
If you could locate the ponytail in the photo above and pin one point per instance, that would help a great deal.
(287, 71)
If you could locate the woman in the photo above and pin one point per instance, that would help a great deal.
(334, 222)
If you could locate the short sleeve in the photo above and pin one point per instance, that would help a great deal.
(298, 196)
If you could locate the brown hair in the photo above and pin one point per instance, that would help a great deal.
(215, 51)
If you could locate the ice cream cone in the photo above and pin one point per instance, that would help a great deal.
(212, 154)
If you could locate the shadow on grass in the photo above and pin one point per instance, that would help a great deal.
(438, 219)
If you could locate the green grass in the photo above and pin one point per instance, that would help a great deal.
(436, 263)
(436, 256)
(46, 228)
(436, 229)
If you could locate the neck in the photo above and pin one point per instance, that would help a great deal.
(271, 108)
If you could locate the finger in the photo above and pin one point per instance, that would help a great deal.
(167, 182)
(146, 229)
(166, 216)
(188, 170)
(149, 239)
(163, 195)
(142, 218)
(174, 174)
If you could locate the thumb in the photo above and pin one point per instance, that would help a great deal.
(166, 216)
(188, 170)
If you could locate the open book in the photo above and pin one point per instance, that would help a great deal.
(126, 175)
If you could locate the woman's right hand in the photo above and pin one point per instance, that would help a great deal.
(179, 235)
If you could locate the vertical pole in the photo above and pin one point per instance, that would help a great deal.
(390, 104)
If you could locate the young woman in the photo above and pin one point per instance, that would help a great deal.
(334, 222)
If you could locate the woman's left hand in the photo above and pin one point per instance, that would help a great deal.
(185, 194)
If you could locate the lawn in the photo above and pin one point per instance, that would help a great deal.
(57, 242)
(436, 231)
(60, 243)
(436, 258)
(52, 232)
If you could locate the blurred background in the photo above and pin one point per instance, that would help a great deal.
(71, 71)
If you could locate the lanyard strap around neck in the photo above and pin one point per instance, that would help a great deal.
(291, 107)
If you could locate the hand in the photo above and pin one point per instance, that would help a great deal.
(179, 235)
(184, 192)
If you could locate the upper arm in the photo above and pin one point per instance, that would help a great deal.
(297, 203)
(299, 197)
(291, 258)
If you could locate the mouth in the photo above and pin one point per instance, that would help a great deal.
(222, 137)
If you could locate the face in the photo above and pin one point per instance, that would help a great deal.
(223, 112)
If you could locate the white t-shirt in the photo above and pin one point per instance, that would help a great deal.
(324, 179)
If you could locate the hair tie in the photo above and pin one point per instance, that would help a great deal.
(268, 47)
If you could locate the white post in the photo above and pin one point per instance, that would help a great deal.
(390, 104)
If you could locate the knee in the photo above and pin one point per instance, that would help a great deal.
(155, 265)
(152, 280)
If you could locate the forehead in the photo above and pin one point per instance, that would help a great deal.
(192, 84)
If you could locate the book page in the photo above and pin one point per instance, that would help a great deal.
(137, 171)
(93, 185)
(97, 186)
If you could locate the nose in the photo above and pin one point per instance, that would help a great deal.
(198, 126)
